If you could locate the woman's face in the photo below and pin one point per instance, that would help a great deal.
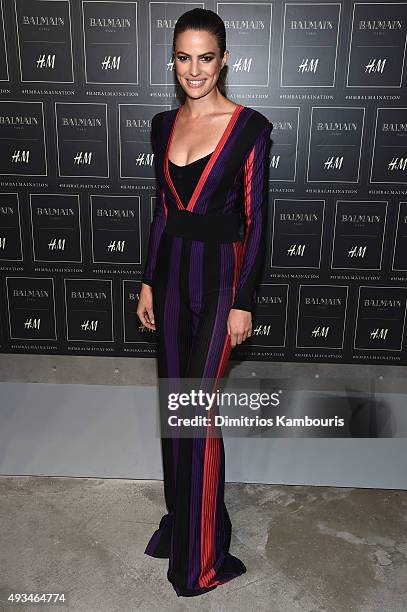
(197, 62)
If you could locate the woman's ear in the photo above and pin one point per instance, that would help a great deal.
(225, 58)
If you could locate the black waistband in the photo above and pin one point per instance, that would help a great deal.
(208, 228)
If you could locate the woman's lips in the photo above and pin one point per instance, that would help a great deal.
(195, 83)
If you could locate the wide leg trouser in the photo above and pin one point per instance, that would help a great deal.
(192, 296)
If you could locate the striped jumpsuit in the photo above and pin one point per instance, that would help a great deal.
(199, 266)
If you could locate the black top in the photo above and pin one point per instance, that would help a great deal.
(238, 183)
(186, 177)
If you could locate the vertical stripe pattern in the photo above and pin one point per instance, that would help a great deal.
(195, 285)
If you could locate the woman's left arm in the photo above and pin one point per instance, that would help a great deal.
(256, 168)
(159, 217)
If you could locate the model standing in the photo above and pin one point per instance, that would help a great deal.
(211, 161)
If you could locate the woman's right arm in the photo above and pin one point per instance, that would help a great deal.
(159, 217)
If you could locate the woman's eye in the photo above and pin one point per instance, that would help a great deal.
(182, 58)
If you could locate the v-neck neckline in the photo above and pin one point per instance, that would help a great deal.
(208, 166)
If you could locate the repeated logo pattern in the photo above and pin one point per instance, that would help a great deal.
(80, 81)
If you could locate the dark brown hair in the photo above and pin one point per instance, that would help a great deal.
(202, 19)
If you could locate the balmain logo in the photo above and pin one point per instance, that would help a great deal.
(43, 21)
(244, 24)
(115, 213)
(109, 22)
(349, 126)
(18, 120)
(55, 212)
(81, 122)
(166, 23)
(30, 293)
(361, 218)
(269, 299)
(137, 123)
(282, 125)
(7, 210)
(89, 295)
(380, 25)
(323, 301)
(298, 217)
(394, 127)
(383, 303)
(307, 24)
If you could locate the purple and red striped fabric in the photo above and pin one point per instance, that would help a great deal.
(195, 283)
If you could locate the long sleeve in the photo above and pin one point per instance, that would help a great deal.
(256, 167)
(159, 219)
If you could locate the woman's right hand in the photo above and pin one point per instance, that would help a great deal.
(145, 307)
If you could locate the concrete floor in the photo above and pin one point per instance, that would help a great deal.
(305, 548)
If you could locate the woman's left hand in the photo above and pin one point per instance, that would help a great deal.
(239, 326)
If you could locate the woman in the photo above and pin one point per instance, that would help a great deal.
(199, 281)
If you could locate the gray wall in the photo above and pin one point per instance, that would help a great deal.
(96, 417)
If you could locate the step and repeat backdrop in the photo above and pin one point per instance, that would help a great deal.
(80, 81)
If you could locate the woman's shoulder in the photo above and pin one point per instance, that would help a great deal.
(157, 123)
(257, 120)
(157, 118)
